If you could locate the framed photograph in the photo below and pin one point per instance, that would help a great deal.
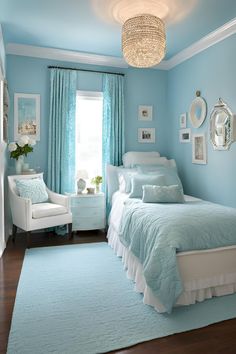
(183, 120)
(145, 113)
(185, 135)
(26, 115)
(199, 149)
(146, 135)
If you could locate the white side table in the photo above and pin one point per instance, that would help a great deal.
(88, 211)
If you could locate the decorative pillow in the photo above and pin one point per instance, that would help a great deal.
(133, 158)
(163, 194)
(138, 181)
(124, 178)
(170, 173)
(33, 188)
(112, 178)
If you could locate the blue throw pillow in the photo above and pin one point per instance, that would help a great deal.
(170, 173)
(33, 188)
(138, 181)
(163, 194)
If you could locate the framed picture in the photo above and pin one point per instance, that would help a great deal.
(183, 120)
(145, 113)
(146, 135)
(185, 135)
(199, 149)
(26, 115)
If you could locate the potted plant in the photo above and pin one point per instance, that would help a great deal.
(20, 149)
(97, 181)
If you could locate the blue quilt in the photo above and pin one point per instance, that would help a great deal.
(154, 233)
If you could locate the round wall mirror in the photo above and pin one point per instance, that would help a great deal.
(197, 112)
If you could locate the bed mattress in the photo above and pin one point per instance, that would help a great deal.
(204, 273)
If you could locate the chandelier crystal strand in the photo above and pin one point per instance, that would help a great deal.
(143, 41)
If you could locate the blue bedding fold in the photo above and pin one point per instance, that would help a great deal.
(155, 232)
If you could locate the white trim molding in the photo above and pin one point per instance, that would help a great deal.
(221, 33)
(64, 55)
(228, 29)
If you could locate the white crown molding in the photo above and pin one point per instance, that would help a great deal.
(64, 55)
(212, 38)
(221, 33)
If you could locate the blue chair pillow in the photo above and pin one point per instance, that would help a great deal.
(33, 188)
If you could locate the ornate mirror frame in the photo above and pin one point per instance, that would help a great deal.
(221, 126)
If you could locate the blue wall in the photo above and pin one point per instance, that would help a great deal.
(142, 87)
(213, 72)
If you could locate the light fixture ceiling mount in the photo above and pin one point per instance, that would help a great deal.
(143, 41)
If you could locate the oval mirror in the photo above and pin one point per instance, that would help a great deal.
(221, 126)
(197, 112)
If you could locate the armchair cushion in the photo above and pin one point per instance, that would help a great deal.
(33, 189)
(43, 210)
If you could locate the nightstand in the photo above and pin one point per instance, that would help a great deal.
(88, 211)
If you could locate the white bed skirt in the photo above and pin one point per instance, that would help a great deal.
(199, 284)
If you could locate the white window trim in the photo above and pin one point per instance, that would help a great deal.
(89, 95)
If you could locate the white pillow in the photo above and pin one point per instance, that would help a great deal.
(124, 178)
(132, 158)
(112, 178)
(159, 161)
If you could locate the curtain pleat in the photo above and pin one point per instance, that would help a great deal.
(113, 123)
(61, 154)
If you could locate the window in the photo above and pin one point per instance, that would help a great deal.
(89, 108)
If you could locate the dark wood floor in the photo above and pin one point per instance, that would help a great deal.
(214, 339)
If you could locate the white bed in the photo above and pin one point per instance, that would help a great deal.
(204, 273)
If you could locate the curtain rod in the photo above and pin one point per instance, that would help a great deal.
(92, 71)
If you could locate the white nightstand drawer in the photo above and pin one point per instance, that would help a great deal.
(97, 201)
(79, 212)
(88, 224)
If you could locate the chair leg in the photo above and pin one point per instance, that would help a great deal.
(14, 231)
(70, 231)
(28, 234)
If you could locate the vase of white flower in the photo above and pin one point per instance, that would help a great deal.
(20, 149)
(19, 164)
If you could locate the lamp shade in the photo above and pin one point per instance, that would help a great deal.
(143, 41)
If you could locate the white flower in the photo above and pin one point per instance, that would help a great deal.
(12, 146)
(31, 142)
(24, 140)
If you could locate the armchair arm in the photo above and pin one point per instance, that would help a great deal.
(21, 210)
(59, 199)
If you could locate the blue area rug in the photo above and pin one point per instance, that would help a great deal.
(77, 299)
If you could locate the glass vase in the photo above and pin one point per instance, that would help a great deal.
(19, 164)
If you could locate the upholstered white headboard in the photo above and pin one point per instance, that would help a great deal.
(130, 160)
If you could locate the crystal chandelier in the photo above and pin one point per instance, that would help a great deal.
(143, 40)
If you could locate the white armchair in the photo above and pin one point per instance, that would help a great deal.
(29, 217)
